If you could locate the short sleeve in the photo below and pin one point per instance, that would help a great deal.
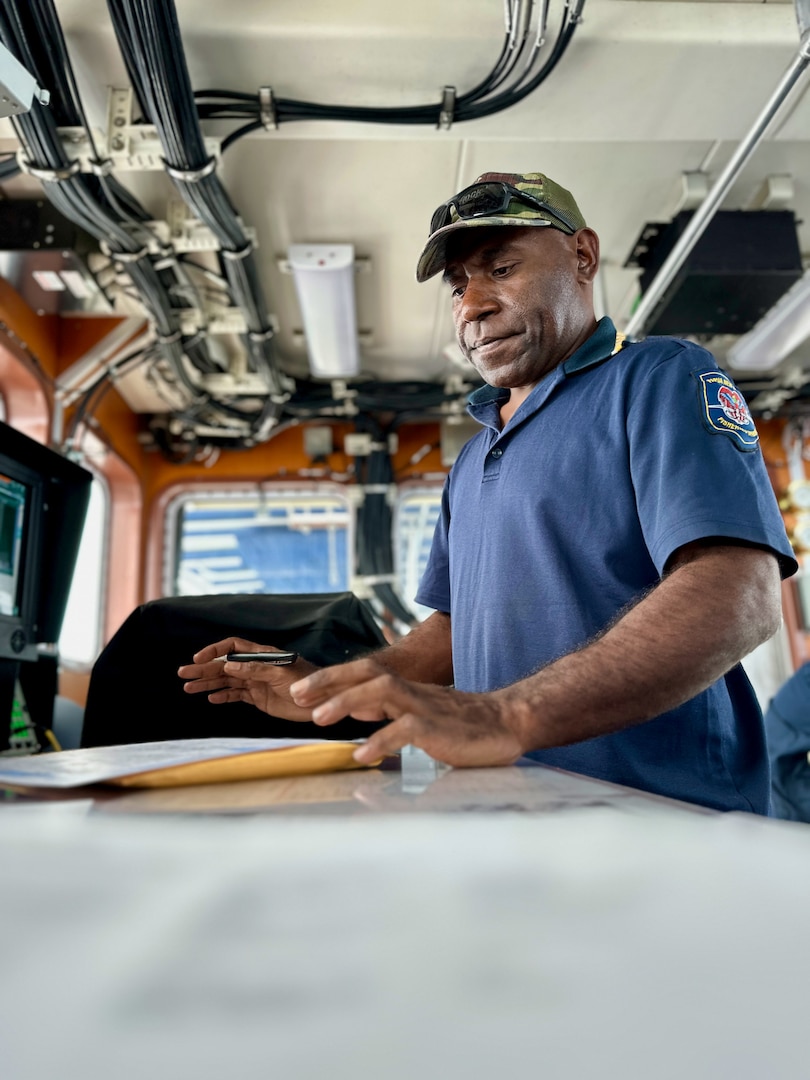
(695, 461)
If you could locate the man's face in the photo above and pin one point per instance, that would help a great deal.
(521, 299)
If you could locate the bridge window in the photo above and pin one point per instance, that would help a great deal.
(270, 541)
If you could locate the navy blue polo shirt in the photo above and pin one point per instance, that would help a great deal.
(787, 731)
(553, 525)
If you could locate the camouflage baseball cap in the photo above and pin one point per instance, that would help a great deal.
(498, 199)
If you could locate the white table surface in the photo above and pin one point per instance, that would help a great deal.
(615, 937)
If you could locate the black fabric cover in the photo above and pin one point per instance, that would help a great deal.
(135, 694)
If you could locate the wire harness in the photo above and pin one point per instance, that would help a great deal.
(107, 211)
(522, 65)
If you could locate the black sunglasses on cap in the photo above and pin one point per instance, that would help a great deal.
(491, 197)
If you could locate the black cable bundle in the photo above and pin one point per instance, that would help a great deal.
(9, 168)
(101, 206)
(374, 544)
(91, 202)
(407, 400)
(149, 36)
(413, 400)
(516, 74)
(99, 388)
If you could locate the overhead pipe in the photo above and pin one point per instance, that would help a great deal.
(707, 209)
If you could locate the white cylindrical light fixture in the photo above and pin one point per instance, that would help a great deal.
(324, 281)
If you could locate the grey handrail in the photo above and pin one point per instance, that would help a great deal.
(705, 212)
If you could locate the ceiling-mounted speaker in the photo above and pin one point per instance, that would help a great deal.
(742, 264)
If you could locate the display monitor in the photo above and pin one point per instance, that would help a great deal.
(13, 499)
(43, 502)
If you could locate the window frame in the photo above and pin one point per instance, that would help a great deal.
(71, 663)
(404, 491)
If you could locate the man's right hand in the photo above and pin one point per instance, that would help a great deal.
(266, 686)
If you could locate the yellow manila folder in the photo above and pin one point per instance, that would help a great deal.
(178, 762)
(257, 765)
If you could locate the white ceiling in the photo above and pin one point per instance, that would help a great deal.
(646, 91)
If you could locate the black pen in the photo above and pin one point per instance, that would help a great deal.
(261, 657)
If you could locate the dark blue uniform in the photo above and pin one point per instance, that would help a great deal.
(787, 730)
(551, 527)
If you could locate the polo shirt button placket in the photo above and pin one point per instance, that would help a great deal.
(492, 463)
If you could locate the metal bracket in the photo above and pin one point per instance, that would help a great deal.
(136, 147)
(692, 190)
(127, 147)
(219, 320)
(250, 384)
(365, 337)
(447, 109)
(342, 392)
(776, 192)
(267, 109)
(362, 264)
(357, 444)
(185, 233)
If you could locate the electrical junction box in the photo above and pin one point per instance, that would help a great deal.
(18, 87)
(44, 257)
(741, 265)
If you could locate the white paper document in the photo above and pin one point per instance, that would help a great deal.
(95, 765)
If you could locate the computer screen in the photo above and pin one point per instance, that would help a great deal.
(43, 501)
(13, 499)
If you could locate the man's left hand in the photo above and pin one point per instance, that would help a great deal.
(456, 728)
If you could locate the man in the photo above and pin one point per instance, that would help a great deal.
(787, 733)
(609, 546)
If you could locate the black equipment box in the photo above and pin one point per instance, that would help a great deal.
(741, 265)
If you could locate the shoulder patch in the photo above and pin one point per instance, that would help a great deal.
(724, 410)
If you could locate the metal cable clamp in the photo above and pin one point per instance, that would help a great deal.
(123, 256)
(259, 336)
(101, 166)
(267, 109)
(447, 109)
(52, 176)
(242, 253)
(190, 176)
(169, 339)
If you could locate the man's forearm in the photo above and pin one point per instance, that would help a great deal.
(424, 655)
(700, 621)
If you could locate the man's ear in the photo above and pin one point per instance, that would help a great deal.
(587, 248)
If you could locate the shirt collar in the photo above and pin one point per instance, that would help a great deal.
(602, 343)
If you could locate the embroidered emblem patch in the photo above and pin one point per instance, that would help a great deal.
(725, 410)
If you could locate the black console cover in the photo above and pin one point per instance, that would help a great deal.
(136, 696)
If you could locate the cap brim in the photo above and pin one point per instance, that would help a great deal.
(434, 257)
